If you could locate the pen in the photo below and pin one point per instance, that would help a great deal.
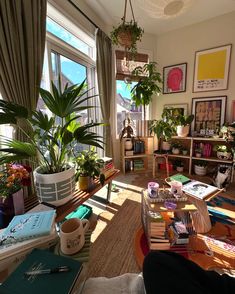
(58, 269)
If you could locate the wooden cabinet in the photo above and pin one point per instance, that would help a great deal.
(136, 159)
(191, 143)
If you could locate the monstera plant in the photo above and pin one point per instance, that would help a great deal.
(51, 139)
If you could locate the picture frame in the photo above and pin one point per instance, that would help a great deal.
(181, 108)
(211, 69)
(174, 78)
(209, 115)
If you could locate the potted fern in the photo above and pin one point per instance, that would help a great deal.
(52, 139)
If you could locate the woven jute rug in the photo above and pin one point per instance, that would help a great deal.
(112, 253)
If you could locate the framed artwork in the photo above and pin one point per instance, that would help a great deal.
(174, 78)
(178, 108)
(211, 69)
(233, 112)
(209, 115)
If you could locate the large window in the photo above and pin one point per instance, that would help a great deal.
(70, 56)
(125, 107)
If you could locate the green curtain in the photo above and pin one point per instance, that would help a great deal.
(104, 77)
(22, 35)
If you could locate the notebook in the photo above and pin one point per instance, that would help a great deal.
(180, 178)
(29, 225)
(59, 283)
(198, 189)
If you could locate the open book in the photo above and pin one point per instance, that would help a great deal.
(198, 189)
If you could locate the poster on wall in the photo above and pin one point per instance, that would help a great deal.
(211, 69)
(174, 78)
(209, 115)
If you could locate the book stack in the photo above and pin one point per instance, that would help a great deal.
(108, 168)
(138, 164)
(157, 231)
(25, 232)
(179, 233)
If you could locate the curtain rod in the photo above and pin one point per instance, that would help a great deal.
(91, 21)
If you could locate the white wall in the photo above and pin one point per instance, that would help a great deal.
(179, 46)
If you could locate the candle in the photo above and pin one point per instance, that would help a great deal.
(176, 188)
(153, 189)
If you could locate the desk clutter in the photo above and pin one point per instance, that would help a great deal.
(37, 229)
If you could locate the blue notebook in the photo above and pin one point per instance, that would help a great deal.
(29, 225)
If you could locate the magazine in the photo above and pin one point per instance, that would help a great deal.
(198, 189)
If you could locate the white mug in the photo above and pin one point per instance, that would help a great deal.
(72, 235)
(176, 188)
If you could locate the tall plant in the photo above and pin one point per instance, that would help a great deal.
(149, 83)
(53, 138)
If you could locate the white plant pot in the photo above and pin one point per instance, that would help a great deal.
(128, 144)
(198, 155)
(175, 150)
(180, 168)
(185, 152)
(200, 170)
(166, 146)
(57, 188)
(224, 155)
(182, 131)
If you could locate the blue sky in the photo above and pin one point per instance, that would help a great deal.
(124, 89)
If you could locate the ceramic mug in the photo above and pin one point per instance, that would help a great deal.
(72, 235)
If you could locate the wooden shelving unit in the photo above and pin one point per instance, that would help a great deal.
(189, 159)
(148, 143)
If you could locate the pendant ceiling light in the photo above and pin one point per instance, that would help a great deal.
(165, 9)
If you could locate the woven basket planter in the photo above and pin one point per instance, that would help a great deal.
(124, 39)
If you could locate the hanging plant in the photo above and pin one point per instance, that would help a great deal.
(126, 34)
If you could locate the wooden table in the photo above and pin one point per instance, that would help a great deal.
(78, 198)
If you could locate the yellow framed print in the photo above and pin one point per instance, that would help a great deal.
(211, 69)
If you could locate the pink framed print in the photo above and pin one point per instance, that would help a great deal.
(174, 78)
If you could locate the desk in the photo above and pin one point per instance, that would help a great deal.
(79, 197)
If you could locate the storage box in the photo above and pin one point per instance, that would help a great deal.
(162, 166)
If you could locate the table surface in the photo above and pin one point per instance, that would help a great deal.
(78, 198)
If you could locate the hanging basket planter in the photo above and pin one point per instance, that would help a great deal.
(124, 39)
(126, 34)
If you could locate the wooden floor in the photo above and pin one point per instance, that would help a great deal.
(128, 186)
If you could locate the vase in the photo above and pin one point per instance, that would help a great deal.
(11, 206)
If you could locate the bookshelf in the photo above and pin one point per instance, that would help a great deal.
(136, 161)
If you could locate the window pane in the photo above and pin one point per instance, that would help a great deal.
(126, 105)
(66, 36)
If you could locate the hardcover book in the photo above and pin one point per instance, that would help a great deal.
(59, 283)
(180, 178)
(198, 189)
(27, 226)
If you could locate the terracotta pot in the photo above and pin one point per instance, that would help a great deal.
(128, 144)
(175, 150)
(166, 146)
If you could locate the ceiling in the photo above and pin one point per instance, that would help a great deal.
(161, 16)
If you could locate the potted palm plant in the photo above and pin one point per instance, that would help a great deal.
(52, 139)
(88, 168)
(149, 83)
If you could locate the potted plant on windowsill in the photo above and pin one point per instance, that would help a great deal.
(52, 139)
(88, 168)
